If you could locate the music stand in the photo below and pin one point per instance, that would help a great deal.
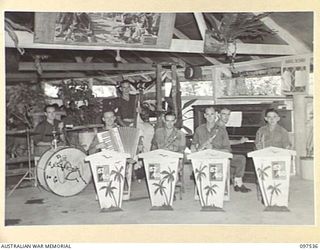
(29, 175)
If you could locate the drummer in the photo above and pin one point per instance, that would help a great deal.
(109, 119)
(46, 130)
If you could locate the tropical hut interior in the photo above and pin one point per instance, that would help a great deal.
(184, 62)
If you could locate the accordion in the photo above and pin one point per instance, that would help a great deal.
(122, 139)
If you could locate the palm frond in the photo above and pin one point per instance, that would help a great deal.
(17, 26)
(164, 172)
(234, 26)
(212, 23)
(11, 27)
(270, 187)
(190, 110)
(188, 103)
(188, 130)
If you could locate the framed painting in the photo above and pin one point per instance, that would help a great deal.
(132, 30)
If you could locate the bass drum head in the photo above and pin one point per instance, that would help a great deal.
(65, 172)
(41, 166)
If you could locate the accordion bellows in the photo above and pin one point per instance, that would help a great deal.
(122, 139)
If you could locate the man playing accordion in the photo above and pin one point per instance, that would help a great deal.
(116, 138)
(109, 123)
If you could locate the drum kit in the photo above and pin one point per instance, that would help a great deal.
(61, 169)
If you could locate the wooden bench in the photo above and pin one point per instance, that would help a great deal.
(17, 161)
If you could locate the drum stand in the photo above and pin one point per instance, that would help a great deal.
(29, 175)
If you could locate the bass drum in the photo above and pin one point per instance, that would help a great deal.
(63, 171)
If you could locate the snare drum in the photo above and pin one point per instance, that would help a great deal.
(63, 171)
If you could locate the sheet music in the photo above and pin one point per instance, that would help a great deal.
(235, 119)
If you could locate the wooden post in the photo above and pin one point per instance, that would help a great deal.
(174, 89)
(300, 134)
(158, 88)
(176, 95)
(214, 80)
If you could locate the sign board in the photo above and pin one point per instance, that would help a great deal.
(272, 166)
(161, 168)
(210, 170)
(127, 30)
(108, 169)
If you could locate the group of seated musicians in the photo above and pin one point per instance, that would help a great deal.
(51, 126)
(211, 135)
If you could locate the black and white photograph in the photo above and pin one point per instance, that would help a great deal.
(154, 171)
(229, 83)
(279, 170)
(103, 174)
(215, 172)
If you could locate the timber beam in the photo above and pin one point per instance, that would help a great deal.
(34, 77)
(177, 45)
(30, 66)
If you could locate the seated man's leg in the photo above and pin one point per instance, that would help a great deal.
(232, 174)
(238, 162)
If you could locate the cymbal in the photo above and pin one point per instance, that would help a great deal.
(20, 132)
(51, 134)
(83, 127)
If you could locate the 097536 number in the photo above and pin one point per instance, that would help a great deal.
(309, 246)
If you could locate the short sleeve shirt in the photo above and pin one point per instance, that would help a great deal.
(220, 141)
(175, 141)
(126, 109)
(43, 132)
(278, 137)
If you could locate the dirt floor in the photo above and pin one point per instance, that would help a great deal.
(29, 205)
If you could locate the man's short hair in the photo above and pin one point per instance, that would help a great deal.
(271, 110)
(123, 82)
(108, 111)
(226, 109)
(49, 106)
(144, 114)
(208, 108)
(170, 113)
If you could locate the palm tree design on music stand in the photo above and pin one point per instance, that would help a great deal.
(262, 175)
(169, 176)
(161, 189)
(118, 177)
(210, 191)
(275, 190)
(110, 193)
(199, 175)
